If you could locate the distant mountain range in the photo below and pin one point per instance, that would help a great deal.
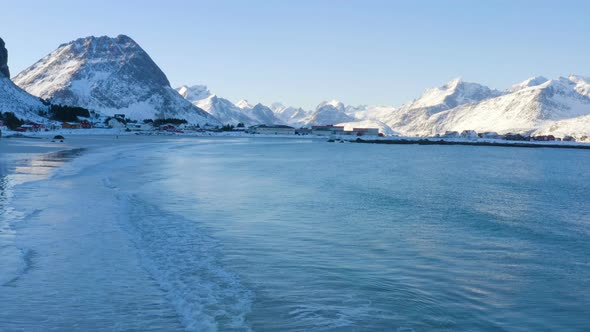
(115, 75)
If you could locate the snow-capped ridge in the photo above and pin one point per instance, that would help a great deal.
(451, 94)
(530, 82)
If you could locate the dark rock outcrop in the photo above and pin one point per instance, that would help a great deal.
(4, 60)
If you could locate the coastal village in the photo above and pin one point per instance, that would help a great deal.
(122, 124)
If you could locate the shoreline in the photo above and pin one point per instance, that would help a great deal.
(515, 144)
(15, 147)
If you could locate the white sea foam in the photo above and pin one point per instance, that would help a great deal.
(184, 261)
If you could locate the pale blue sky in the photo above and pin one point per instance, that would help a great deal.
(305, 51)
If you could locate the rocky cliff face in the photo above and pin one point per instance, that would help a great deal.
(3, 59)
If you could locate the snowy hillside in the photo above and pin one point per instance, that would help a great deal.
(109, 76)
(14, 99)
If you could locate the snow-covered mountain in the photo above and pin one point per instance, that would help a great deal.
(537, 105)
(14, 99)
(244, 104)
(262, 115)
(409, 119)
(327, 113)
(224, 110)
(290, 115)
(194, 93)
(109, 76)
(114, 75)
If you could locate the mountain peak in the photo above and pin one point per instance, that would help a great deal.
(277, 106)
(194, 93)
(332, 103)
(452, 94)
(260, 105)
(453, 84)
(244, 104)
(529, 82)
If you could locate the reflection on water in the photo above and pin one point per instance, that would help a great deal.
(30, 167)
(17, 169)
(41, 166)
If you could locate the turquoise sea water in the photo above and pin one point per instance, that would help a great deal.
(301, 235)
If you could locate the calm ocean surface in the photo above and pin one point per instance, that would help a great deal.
(298, 235)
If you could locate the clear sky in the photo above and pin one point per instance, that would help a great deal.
(301, 52)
